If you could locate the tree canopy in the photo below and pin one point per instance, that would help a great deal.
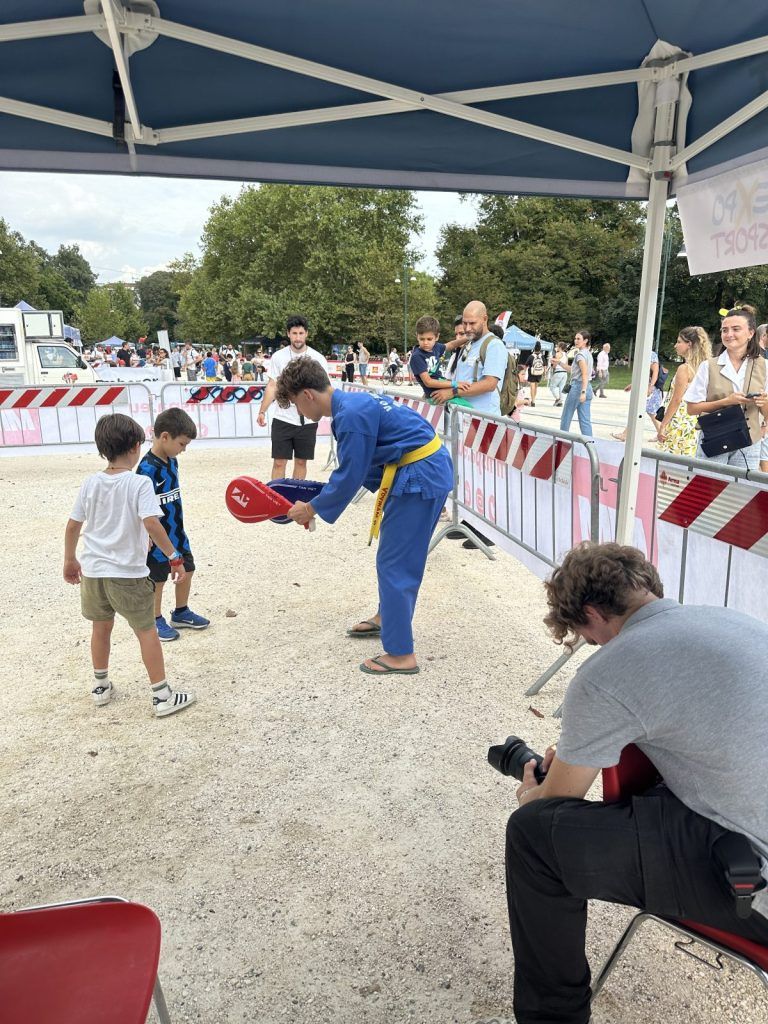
(332, 254)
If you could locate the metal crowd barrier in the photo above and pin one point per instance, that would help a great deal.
(708, 535)
(702, 501)
(518, 482)
(226, 411)
(49, 414)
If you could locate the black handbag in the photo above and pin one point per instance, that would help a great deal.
(723, 431)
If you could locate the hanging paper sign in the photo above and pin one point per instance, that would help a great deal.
(725, 220)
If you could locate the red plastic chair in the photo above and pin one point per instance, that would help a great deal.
(84, 962)
(633, 774)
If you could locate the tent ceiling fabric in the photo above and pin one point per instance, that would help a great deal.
(423, 60)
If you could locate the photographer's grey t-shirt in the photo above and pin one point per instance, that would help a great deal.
(687, 684)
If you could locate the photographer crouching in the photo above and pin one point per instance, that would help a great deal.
(687, 685)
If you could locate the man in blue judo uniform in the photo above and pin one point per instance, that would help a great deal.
(387, 448)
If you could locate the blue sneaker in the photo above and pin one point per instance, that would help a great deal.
(164, 631)
(189, 620)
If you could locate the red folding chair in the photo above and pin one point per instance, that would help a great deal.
(84, 962)
(633, 774)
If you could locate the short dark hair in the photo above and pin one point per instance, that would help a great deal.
(428, 325)
(605, 576)
(296, 321)
(458, 320)
(498, 330)
(116, 434)
(585, 334)
(175, 422)
(300, 375)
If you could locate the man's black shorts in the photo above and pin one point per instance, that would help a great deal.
(160, 571)
(292, 441)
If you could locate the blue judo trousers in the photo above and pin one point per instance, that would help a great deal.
(372, 431)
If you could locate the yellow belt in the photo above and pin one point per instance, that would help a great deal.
(388, 477)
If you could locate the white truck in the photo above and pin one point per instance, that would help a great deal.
(33, 350)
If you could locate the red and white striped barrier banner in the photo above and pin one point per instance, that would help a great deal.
(432, 413)
(536, 456)
(59, 398)
(733, 513)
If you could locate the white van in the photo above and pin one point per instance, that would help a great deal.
(33, 350)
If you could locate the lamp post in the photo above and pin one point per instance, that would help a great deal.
(666, 255)
(406, 278)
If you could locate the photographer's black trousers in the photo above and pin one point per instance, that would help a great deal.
(649, 852)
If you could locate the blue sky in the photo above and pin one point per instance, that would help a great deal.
(127, 227)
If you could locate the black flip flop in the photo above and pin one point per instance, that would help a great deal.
(387, 670)
(375, 629)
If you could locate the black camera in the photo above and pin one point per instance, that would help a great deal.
(511, 757)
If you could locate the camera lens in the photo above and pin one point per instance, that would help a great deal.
(511, 757)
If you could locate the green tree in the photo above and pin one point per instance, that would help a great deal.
(331, 254)
(159, 298)
(107, 310)
(20, 268)
(555, 263)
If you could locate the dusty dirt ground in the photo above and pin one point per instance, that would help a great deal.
(319, 845)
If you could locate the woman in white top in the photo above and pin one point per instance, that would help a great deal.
(736, 377)
(559, 374)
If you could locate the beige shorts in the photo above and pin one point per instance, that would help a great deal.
(134, 599)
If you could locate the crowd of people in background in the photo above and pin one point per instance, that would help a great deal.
(576, 374)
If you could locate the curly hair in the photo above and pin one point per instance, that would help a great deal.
(701, 347)
(300, 375)
(606, 576)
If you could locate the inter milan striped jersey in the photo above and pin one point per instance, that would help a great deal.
(165, 480)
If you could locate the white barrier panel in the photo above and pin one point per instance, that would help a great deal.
(521, 489)
(51, 415)
(706, 562)
(223, 411)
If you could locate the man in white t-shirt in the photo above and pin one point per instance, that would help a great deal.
(292, 438)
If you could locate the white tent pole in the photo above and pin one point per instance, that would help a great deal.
(666, 110)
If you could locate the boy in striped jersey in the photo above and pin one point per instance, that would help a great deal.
(173, 431)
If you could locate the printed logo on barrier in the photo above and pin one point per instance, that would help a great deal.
(734, 513)
(217, 394)
(543, 458)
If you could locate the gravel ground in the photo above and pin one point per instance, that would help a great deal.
(319, 845)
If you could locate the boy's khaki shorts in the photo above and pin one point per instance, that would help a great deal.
(134, 599)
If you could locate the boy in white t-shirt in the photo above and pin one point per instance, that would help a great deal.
(120, 510)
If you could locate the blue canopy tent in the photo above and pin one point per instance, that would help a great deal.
(516, 337)
(615, 98)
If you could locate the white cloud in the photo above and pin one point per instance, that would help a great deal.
(127, 227)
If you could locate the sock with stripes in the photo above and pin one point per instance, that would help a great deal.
(161, 690)
(101, 675)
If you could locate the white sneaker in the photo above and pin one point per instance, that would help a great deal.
(176, 702)
(102, 694)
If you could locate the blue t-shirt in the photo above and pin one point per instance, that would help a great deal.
(495, 366)
(372, 431)
(427, 362)
(209, 367)
(165, 480)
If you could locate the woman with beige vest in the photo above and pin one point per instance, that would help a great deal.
(736, 377)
